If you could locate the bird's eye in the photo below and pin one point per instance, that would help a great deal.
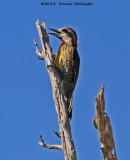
(65, 30)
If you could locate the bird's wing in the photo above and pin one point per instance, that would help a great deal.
(76, 64)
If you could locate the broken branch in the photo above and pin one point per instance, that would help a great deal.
(49, 146)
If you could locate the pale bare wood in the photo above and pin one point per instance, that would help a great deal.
(102, 123)
(50, 146)
(43, 144)
(60, 103)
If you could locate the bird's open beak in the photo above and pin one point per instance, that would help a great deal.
(57, 34)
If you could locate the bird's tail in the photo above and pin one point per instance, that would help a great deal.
(69, 107)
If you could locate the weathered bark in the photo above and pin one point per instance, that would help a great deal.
(60, 103)
(102, 123)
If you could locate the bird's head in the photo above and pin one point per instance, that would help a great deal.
(67, 35)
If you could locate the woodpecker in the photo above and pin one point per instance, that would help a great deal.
(67, 61)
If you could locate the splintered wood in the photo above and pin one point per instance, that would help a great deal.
(102, 123)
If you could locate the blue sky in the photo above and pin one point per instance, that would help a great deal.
(27, 106)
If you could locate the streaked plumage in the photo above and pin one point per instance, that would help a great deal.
(67, 61)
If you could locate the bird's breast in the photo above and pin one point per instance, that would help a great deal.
(62, 57)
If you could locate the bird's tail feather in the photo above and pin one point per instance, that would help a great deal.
(69, 107)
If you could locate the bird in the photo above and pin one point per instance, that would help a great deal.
(67, 61)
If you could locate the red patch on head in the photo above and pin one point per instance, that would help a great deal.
(74, 34)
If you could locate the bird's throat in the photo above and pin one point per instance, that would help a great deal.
(63, 42)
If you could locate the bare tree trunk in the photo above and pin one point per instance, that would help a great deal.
(60, 103)
(102, 123)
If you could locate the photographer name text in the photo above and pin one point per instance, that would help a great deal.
(65, 4)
